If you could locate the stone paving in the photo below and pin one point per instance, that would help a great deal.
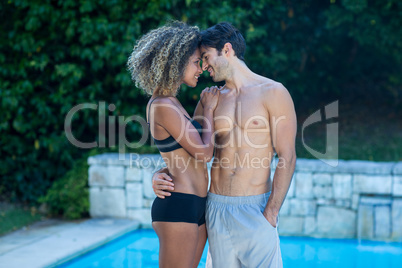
(52, 242)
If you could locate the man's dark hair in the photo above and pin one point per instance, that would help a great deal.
(220, 34)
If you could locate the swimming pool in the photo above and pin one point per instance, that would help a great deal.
(139, 249)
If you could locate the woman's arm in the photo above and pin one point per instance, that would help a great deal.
(168, 116)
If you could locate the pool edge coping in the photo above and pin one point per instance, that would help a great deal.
(136, 225)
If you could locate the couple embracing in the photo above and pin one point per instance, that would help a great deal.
(242, 124)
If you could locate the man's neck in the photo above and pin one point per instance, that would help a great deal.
(241, 76)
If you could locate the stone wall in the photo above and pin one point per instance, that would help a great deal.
(355, 199)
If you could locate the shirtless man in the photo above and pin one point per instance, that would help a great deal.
(254, 118)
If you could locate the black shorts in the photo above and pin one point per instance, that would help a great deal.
(179, 207)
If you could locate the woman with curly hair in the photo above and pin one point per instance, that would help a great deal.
(161, 61)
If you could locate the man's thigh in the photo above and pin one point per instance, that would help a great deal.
(238, 233)
(256, 240)
(221, 252)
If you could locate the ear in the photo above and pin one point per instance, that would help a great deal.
(227, 49)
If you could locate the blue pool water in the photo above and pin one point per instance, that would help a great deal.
(139, 249)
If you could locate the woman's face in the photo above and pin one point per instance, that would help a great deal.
(193, 69)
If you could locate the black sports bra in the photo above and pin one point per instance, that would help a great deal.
(170, 144)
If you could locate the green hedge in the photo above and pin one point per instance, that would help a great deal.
(69, 196)
(57, 54)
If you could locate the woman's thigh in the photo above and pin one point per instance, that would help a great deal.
(178, 243)
(202, 239)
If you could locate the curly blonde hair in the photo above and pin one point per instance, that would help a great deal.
(160, 57)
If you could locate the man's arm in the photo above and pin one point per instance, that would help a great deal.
(283, 125)
(162, 183)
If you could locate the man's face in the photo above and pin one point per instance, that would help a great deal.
(217, 65)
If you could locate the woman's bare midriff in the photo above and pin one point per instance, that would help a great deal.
(188, 174)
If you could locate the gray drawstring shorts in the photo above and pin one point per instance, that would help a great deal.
(238, 233)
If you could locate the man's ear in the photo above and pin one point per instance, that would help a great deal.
(227, 49)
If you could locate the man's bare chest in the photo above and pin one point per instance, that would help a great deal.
(240, 113)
